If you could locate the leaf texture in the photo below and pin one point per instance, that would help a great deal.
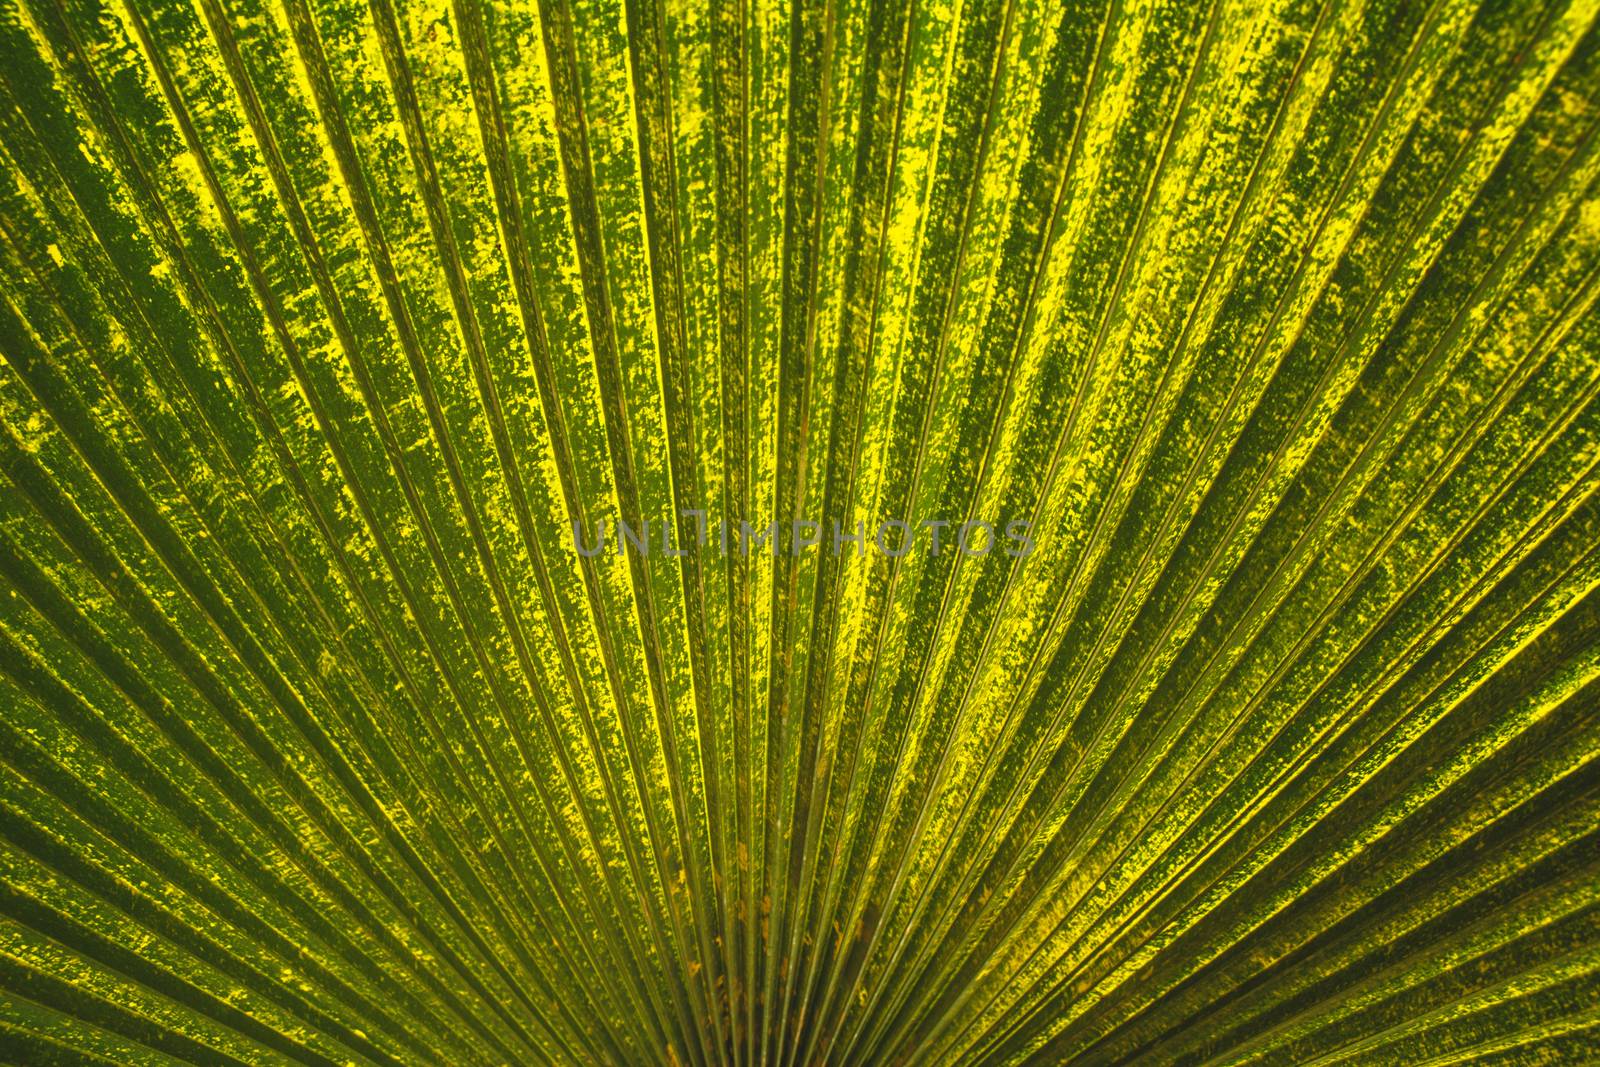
(1213, 675)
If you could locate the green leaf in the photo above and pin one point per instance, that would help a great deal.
(1115, 532)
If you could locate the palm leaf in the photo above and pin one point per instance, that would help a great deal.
(1241, 357)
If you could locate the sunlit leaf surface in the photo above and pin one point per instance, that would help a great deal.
(1259, 721)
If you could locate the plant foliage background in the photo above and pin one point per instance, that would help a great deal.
(322, 320)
